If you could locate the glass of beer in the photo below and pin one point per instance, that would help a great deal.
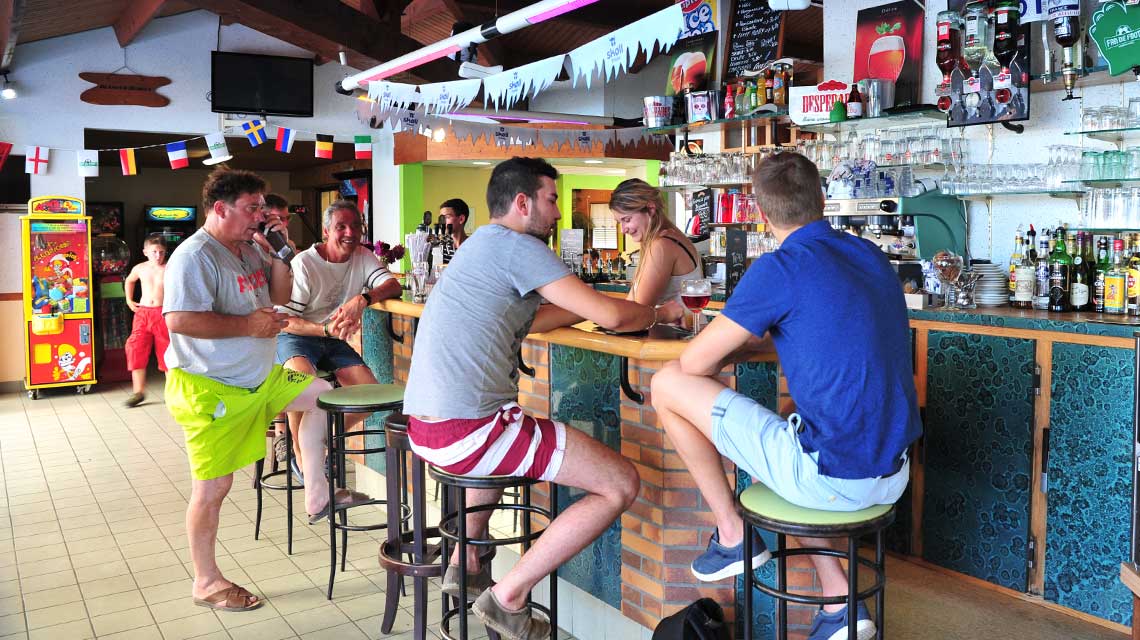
(695, 295)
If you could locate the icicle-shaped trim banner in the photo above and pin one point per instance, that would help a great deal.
(614, 53)
(503, 90)
(391, 98)
(445, 97)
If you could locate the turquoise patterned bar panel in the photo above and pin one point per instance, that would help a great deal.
(376, 350)
(979, 414)
(759, 381)
(584, 394)
(1089, 481)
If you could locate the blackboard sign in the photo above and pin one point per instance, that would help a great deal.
(702, 210)
(753, 37)
(736, 257)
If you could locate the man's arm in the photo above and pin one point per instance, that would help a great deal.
(129, 287)
(280, 281)
(715, 346)
(263, 323)
(578, 300)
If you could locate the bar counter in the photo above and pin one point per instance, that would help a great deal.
(1022, 482)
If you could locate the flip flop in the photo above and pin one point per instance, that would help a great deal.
(232, 598)
(344, 499)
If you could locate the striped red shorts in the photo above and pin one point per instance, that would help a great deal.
(509, 443)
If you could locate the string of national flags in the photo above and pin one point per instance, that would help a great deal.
(37, 158)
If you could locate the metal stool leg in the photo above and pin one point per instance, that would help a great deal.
(553, 488)
(852, 586)
(419, 527)
(394, 535)
(288, 486)
(461, 529)
(748, 582)
(342, 483)
(880, 597)
(781, 581)
(258, 468)
(332, 497)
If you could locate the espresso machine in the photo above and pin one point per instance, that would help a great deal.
(905, 228)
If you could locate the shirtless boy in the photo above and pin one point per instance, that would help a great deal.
(148, 329)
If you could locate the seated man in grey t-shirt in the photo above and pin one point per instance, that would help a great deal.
(490, 295)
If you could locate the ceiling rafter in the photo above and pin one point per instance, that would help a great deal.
(327, 27)
(135, 16)
(11, 15)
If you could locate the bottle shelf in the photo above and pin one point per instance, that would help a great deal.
(714, 126)
(1067, 194)
(734, 224)
(705, 185)
(920, 116)
(1108, 135)
(1108, 182)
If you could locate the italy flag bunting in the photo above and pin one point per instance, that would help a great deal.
(324, 146)
(285, 138)
(255, 131)
(363, 147)
(127, 160)
(176, 151)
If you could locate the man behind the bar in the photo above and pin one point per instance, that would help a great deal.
(834, 310)
(490, 296)
(455, 213)
(222, 387)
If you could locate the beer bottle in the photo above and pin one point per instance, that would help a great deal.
(854, 103)
(1060, 274)
(1014, 260)
(1080, 285)
(1103, 266)
(1116, 281)
(768, 82)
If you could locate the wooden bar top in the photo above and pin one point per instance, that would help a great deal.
(584, 335)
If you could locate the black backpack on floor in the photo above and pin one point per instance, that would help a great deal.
(701, 620)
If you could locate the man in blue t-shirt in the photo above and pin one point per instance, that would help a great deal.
(832, 307)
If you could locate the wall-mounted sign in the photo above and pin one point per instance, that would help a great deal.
(1116, 30)
(888, 46)
(124, 89)
(700, 16)
(812, 105)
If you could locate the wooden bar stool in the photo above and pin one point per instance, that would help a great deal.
(453, 529)
(761, 507)
(359, 398)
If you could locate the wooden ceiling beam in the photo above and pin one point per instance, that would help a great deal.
(136, 15)
(11, 16)
(327, 27)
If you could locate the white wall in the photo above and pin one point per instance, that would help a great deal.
(990, 236)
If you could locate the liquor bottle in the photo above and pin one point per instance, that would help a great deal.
(854, 103)
(768, 86)
(1103, 266)
(1060, 273)
(1014, 260)
(949, 54)
(1031, 243)
(1007, 19)
(1026, 279)
(729, 102)
(741, 99)
(779, 86)
(1133, 264)
(1041, 284)
(1080, 286)
(1116, 281)
(750, 97)
(1066, 17)
(975, 45)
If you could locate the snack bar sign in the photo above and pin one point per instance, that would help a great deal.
(812, 105)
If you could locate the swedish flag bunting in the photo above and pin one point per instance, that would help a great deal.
(176, 151)
(36, 160)
(285, 138)
(255, 131)
(363, 147)
(324, 146)
(127, 160)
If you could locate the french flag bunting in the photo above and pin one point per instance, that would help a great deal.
(36, 160)
(363, 146)
(176, 151)
(285, 138)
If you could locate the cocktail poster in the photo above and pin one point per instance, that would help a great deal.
(888, 46)
(693, 60)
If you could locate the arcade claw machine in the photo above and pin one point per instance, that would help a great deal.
(59, 341)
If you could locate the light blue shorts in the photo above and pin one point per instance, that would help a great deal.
(765, 446)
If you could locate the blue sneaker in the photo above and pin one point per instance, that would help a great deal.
(833, 626)
(719, 562)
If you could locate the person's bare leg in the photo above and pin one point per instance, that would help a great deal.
(611, 484)
(312, 437)
(684, 409)
(476, 524)
(138, 380)
(298, 363)
(206, 498)
(832, 577)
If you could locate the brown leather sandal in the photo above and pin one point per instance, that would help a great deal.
(232, 598)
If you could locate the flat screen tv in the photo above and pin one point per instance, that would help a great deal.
(260, 84)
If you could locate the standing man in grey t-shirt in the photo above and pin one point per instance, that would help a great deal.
(491, 295)
(222, 387)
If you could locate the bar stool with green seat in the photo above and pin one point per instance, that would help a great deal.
(359, 398)
(760, 507)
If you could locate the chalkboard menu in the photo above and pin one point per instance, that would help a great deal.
(702, 210)
(753, 37)
(736, 258)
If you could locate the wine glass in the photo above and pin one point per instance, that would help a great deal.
(948, 265)
(695, 295)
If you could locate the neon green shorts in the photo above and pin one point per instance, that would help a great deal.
(225, 426)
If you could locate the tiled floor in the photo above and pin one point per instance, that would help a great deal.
(92, 540)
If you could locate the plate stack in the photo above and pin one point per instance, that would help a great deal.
(993, 289)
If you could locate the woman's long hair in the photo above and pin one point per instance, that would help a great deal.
(637, 196)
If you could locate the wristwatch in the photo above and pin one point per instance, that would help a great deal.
(367, 298)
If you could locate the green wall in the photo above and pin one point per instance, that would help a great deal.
(411, 203)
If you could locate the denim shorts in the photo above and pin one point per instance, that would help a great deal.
(765, 446)
(325, 354)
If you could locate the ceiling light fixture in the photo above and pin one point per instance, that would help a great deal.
(9, 91)
(592, 161)
(525, 17)
(481, 163)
